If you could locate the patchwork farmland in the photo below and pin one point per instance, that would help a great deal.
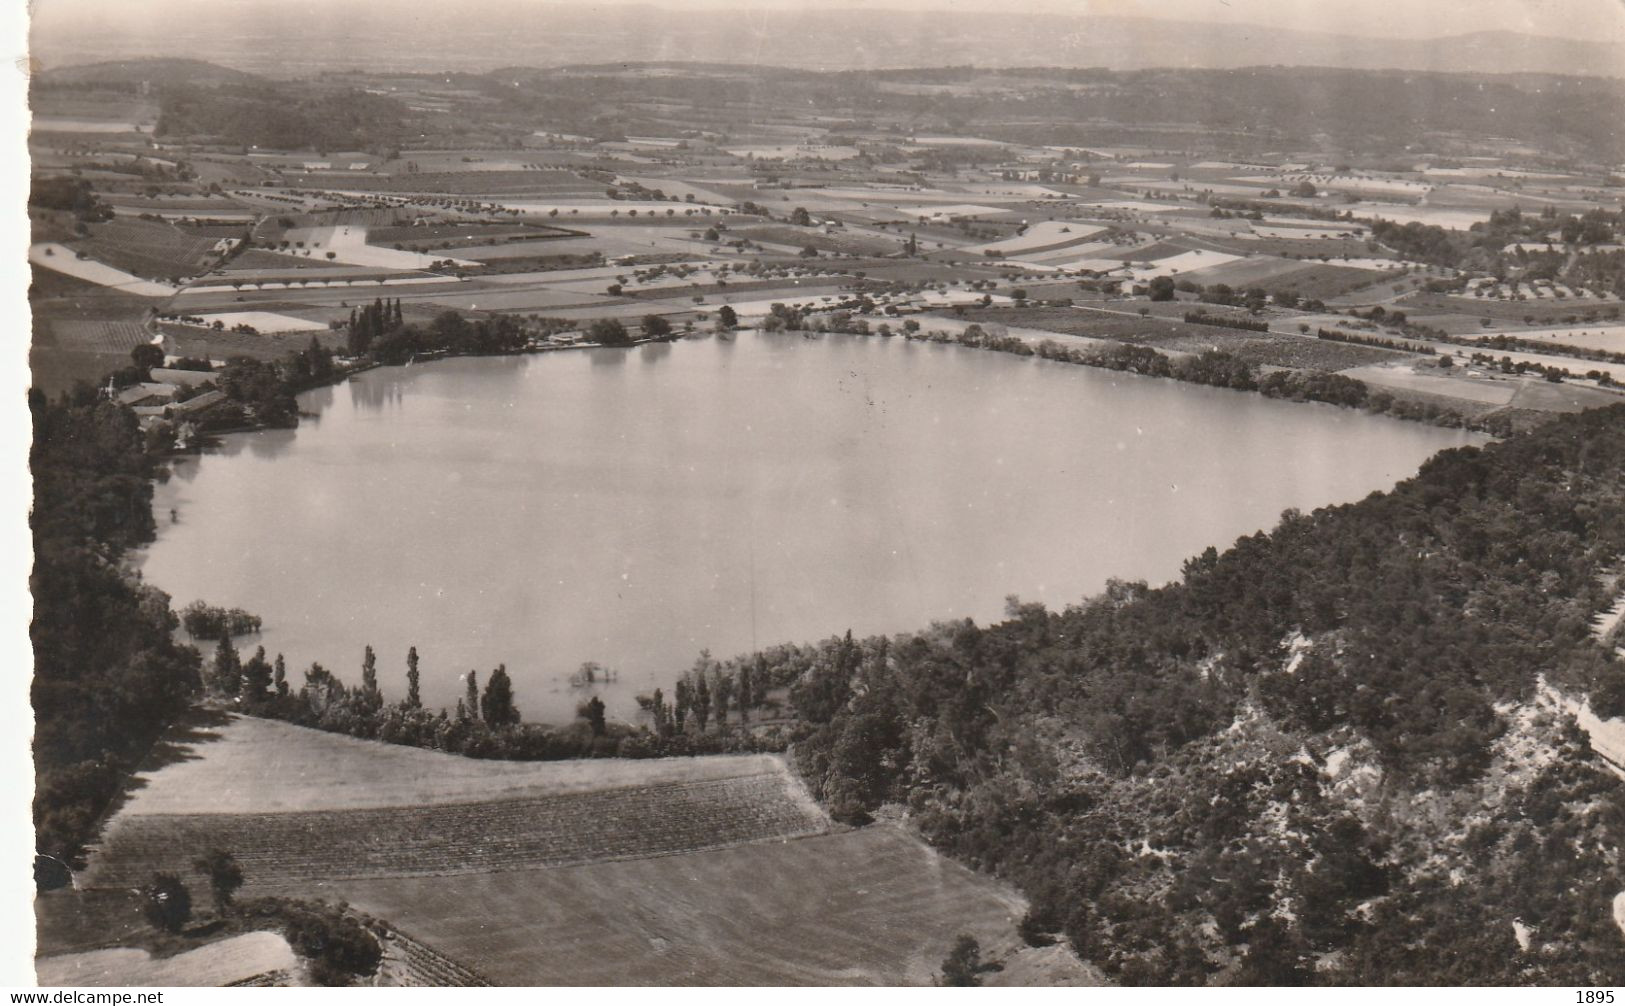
(556, 854)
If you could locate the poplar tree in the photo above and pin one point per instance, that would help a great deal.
(369, 677)
(702, 701)
(472, 704)
(413, 699)
(279, 677)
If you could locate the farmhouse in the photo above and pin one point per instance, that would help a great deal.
(147, 393)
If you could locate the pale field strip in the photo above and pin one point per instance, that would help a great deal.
(1194, 186)
(347, 243)
(1491, 391)
(680, 188)
(1185, 263)
(317, 284)
(1136, 205)
(217, 964)
(604, 208)
(265, 766)
(1069, 257)
(796, 152)
(60, 258)
(1044, 236)
(1486, 171)
(1450, 219)
(1372, 264)
(1609, 338)
(234, 216)
(264, 321)
(955, 141)
(1014, 189)
(1228, 166)
(1254, 269)
(1355, 183)
(65, 124)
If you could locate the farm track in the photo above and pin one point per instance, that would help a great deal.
(634, 822)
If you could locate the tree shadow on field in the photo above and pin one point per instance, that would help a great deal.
(198, 726)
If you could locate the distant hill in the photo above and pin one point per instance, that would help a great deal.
(156, 72)
(295, 38)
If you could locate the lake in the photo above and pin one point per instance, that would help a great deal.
(632, 507)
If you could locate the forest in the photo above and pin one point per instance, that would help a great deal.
(283, 117)
(1317, 758)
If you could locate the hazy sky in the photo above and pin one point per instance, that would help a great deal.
(1598, 20)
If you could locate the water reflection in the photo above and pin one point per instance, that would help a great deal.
(524, 511)
(269, 443)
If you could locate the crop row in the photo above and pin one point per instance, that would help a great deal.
(489, 836)
(410, 964)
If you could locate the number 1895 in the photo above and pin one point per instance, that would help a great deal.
(1594, 997)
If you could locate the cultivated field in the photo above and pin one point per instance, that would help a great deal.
(666, 871)
(251, 765)
(65, 260)
(149, 249)
(867, 907)
(234, 961)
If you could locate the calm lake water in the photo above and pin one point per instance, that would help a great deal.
(635, 506)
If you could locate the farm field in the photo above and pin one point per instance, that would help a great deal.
(149, 249)
(602, 824)
(210, 345)
(1489, 391)
(63, 259)
(629, 872)
(867, 907)
(226, 962)
(264, 321)
(243, 764)
(1609, 338)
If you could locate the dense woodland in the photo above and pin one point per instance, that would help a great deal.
(283, 117)
(1314, 759)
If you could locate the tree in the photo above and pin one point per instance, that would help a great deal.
(727, 318)
(228, 668)
(702, 697)
(744, 695)
(369, 678)
(800, 217)
(225, 876)
(656, 327)
(414, 700)
(1162, 288)
(684, 695)
(471, 706)
(722, 686)
(964, 966)
(809, 252)
(279, 677)
(496, 705)
(593, 711)
(167, 903)
(256, 676)
(609, 332)
(147, 356)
